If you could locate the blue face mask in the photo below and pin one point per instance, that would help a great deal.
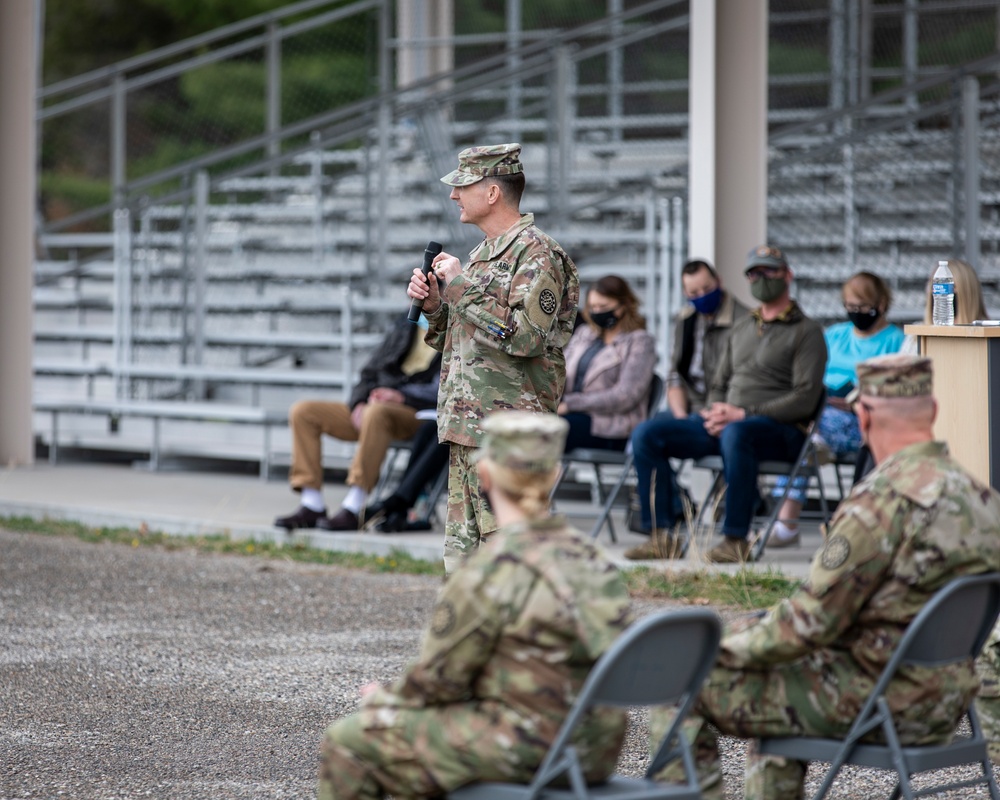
(422, 322)
(707, 303)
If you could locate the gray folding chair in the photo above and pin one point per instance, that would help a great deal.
(661, 659)
(610, 458)
(951, 628)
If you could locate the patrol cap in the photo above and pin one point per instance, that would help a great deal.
(524, 441)
(894, 375)
(487, 161)
(765, 255)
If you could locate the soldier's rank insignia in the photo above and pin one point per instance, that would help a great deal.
(443, 620)
(547, 301)
(835, 552)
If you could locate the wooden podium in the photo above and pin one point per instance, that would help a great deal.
(967, 387)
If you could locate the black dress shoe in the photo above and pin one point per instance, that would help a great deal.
(343, 520)
(302, 518)
(394, 522)
(383, 508)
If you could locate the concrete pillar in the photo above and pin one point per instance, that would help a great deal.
(728, 134)
(17, 226)
(417, 21)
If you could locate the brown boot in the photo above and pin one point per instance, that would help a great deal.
(731, 551)
(662, 544)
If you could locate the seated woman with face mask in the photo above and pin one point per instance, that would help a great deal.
(609, 368)
(865, 334)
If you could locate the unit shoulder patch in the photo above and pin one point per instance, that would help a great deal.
(443, 620)
(547, 301)
(835, 553)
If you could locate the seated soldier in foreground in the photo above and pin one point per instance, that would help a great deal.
(514, 634)
(918, 521)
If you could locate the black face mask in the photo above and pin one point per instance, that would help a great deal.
(864, 320)
(605, 320)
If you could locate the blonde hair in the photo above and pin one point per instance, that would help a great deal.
(529, 491)
(968, 294)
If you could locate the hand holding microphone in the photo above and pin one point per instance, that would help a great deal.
(419, 290)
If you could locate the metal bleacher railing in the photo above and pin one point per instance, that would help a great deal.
(891, 185)
(309, 233)
(272, 261)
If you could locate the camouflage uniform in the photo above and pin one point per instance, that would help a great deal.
(515, 632)
(988, 701)
(805, 668)
(501, 326)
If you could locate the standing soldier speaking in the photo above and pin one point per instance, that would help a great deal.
(500, 323)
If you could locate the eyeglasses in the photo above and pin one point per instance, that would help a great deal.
(757, 273)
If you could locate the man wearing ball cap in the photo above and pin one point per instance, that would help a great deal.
(501, 323)
(916, 522)
(514, 633)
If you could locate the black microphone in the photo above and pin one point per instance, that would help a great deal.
(433, 248)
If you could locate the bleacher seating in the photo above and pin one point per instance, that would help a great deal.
(298, 283)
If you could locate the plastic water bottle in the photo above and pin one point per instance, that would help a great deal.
(943, 290)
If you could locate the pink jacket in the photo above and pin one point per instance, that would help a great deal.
(616, 388)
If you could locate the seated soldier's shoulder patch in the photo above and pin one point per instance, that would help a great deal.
(836, 551)
(443, 621)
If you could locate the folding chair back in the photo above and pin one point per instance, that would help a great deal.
(951, 628)
(661, 659)
(610, 458)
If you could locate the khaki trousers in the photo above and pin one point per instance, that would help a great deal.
(380, 425)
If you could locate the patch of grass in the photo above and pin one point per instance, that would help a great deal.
(396, 561)
(744, 590)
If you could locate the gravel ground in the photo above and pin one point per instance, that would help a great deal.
(128, 673)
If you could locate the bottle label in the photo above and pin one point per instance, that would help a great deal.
(943, 288)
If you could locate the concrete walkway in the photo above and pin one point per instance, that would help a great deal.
(243, 506)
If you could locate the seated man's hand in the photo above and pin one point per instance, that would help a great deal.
(383, 394)
(677, 402)
(358, 414)
(719, 415)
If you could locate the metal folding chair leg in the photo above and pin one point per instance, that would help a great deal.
(604, 515)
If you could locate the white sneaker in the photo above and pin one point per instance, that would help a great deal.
(783, 536)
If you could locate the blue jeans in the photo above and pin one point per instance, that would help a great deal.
(742, 445)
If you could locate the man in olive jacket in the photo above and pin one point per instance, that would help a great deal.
(764, 392)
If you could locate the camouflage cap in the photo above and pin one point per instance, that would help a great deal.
(765, 255)
(894, 375)
(523, 441)
(488, 161)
